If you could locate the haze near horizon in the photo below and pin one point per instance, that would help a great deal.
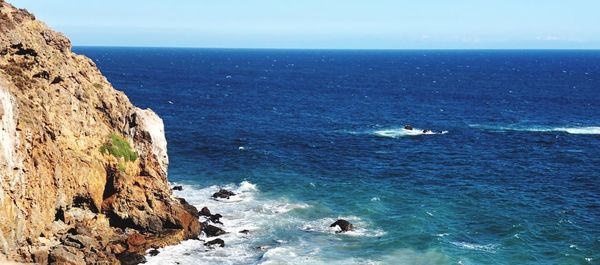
(334, 24)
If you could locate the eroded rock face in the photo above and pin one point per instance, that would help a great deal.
(60, 197)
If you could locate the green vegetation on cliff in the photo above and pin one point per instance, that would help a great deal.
(118, 147)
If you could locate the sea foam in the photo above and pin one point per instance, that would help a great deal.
(244, 211)
(569, 130)
(401, 132)
(263, 217)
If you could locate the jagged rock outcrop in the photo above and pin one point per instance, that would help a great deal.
(63, 196)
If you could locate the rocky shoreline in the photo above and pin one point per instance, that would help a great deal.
(83, 172)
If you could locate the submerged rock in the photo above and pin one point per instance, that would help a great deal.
(263, 248)
(344, 225)
(223, 194)
(216, 242)
(178, 188)
(245, 231)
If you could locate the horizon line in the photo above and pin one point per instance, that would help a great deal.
(335, 49)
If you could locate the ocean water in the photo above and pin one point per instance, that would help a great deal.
(510, 173)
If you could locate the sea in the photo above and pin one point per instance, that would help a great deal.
(509, 172)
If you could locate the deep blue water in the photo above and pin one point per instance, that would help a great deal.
(515, 180)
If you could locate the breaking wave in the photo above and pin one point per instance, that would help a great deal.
(265, 219)
(401, 132)
(570, 130)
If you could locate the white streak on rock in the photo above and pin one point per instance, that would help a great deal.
(150, 124)
(8, 137)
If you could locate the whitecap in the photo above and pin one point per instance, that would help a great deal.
(401, 132)
(569, 130)
(580, 130)
(472, 246)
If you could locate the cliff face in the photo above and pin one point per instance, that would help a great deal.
(61, 198)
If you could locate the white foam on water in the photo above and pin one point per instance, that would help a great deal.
(569, 130)
(241, 212)
(401, 132)
(305, 254)
(247, 210)
(361, 228)
(472, 246)
(579, 130)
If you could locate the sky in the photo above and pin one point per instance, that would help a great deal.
(325, 24)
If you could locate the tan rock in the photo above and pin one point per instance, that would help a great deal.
(56, 111)
(65, 255)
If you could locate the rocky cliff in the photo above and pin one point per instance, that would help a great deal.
(83, 172)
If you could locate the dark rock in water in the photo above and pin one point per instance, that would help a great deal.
(211, 230)
(189, 208)
(215, 218)
(153, 252)
(205, 211)
(343, 224)
(178, 188)
(217, 242)
(245, 231)
(129, 258)
(408, 127)
(223, 193)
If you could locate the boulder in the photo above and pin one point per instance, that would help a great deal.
(205, 211)
(135, 242)
(85, 241)
(189, 208)
(344, 225)
(215, 218)
(178, 188)
(223, 194)
(129, 258)
(245, 231)
(211, 230)
(66, 255)
(39, 256)
(215, 243)
(153, 252)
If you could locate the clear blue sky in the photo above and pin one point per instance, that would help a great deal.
(368, 24)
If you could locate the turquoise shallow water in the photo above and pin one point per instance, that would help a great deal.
(509, 176)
